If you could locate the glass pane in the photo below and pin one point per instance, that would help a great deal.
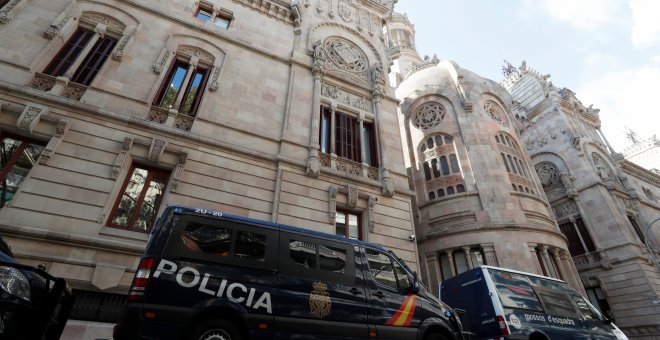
(222, 22)
(340, 224)
(515, 291)
(250, 246)
(445, 165)
(366, 137)
(150, 204)
(449, 140)
(460, 188)
(431, 195)
(325, 129)
(427, 171)
(303, 253)
(173, 87)
(505, 163)
(193, 91)
(381, 268)
(460, 261)
(450, 191)
(204, 15)
(441, 192)
(130, 197)
(434, 166)
(438, 140)
(214, 239)
(21, 167)
(353, 230)
(332, 259)
(402, 277)
(454, 163)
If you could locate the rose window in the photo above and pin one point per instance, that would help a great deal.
(495, 112)
(429, 115)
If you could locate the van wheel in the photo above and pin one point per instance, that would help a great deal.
(436, 336)
(215, 330)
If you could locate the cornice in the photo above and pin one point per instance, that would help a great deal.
(640, 173)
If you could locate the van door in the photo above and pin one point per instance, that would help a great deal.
(391, 305)
(320, 294)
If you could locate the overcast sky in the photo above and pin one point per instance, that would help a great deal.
(606, 51)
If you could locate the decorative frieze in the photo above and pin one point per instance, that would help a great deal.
(43, 82)
(74, 91)
(273, 9)
(344, 97)
(190, 51)
(215, 80)
(443, 182)
(118, 53)
(30, 117)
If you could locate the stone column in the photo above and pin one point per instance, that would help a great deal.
(362, 141)
(466, 250)
(433, 269)
(572, 276)
(489, 254)
(313, 163)
(535, 258)
(561, 270)
(450, 259)
(546, 261)
(387, 184)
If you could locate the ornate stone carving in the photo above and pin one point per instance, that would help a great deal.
(183, 122)
(353, 194)
(61, 128)
(377, 75)
(495, 112)
(297, 16)
(55, 27)
(387, 187)
(6, 14)
(443, 182)
(43, 82)
(602, 169)
(345, 97)
(567, 208)
(319, 58)
(372, 172)
(178, 170)
(429, 115)
(74, 91)
(162, 59)
(313, 164)
(549, 175)
(346, 57)
(121, 158)
(273, 9)
(157, 148)
(371, 203)
(567, 180)
(349, 166)
(332, 204)
(99, 18)
(345, 11)
(215, 80)
(157, 114)
(118, 53)
(324, 159)
(30, 117)
(191, 51)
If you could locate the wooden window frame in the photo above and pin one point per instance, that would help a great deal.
(185, 86)
(346, 225)
(68, 54)
(94, 60)
(347, 135)
(152, 172)
(4, 171)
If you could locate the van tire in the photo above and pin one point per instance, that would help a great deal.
(436, 336)
(215, 329)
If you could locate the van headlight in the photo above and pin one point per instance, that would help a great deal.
(15, 283)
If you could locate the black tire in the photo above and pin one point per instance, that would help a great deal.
(215, 329)
(436, 336)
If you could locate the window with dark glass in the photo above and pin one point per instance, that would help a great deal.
(220, 18)
(347, 137)
(303, 253)
(68, 54)
(91, 66)
(348, 225)
(579, 241)
(349, 140)
(207, 238)
(138, 205)
(17, 156)
(332, 259)
(178, 87)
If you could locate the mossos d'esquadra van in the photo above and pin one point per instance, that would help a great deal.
(211, 276)
(506, 304)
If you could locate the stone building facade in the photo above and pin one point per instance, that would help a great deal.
(110, 110)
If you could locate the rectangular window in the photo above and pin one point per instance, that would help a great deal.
(142, 193)
(68, 54)
(303, 253)
(370, 147)
(332, 259)
(348, 225)
(348, 138)
(17, 156)
(204, 13)
(94, 60)
(574, 244)
(222, 20)
(192, 96)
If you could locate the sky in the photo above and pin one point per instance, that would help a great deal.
(606, 51)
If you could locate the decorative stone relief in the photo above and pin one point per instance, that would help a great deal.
(56, 27)
(342, 96)
(429, 115)
(121, 158)
(162, 59)
(345, 11)
(183, 122)
(464, 88)
(61, 128)
(342, 55)
(567, 180)
(99, 18)
(191, 51)
(602, 169)
(313, 164)
(178, 170)
(495, 112)
(30, 117)
(74, 91)
(332, 201)
(371, 203)
(6, 14)
(567, 208)
(353, 193)
(549, 175)
(297, 16)
(215, 80)
(43, 82)
(157, 148)
(387, 187)
(118, 53)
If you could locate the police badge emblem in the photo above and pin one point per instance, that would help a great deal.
(319, 300)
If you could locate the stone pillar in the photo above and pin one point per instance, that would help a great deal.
(362, 141)
(450, 259)
(535, 258)
(313, 163)
(572, 276)
(433, 270)
(489, 254)
(333, 126)
(466, 250)
(546, 261)
(387, 184)
(561, 270)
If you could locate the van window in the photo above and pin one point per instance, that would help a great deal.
(332, 259)
(584, 307)
(555, 302)
(381, 269)
(207, 238)
(303, 253)
(402, 276)
(515, 291)
(250, 246)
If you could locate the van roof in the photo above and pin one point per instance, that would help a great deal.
(213, 213)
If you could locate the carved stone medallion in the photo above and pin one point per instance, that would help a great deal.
(429, 115)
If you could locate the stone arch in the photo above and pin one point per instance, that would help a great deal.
(553, 181)
(130, 22)
(323, 30)
(192, 45)
(494, 108)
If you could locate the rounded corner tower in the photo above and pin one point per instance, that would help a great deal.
(478, 199)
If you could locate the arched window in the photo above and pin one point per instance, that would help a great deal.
(514, 163)
(460, 188)
(440, 158)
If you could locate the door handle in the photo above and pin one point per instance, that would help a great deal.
(379, 294)
(355, 291)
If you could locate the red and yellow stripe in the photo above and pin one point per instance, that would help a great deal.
(404, 315)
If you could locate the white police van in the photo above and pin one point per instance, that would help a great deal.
(207, 275)
(506, 304)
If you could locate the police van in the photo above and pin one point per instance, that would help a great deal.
(506, 304)
(207, 275)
